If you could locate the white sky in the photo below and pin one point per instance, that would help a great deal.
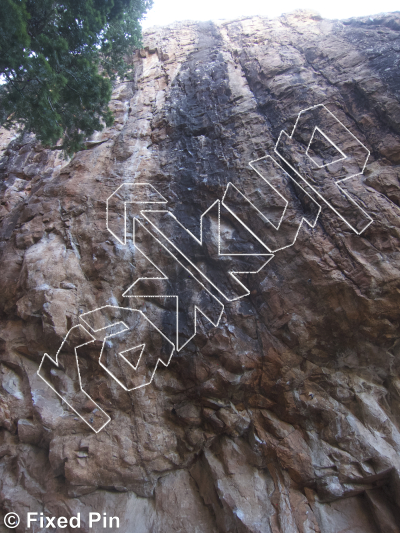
(167, 11)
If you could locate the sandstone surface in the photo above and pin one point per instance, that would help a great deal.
(283, 418)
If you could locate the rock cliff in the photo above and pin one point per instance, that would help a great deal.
(280, 415)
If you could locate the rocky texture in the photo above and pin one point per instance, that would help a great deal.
(284, 418)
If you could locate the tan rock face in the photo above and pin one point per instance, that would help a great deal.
(285, 416)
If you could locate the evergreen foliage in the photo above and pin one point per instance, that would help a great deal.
(58, 60)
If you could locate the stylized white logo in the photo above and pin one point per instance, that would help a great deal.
(268, 216)
(326, 178)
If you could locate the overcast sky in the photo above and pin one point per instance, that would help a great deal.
(167, 11)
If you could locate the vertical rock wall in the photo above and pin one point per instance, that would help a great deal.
(285, 416)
